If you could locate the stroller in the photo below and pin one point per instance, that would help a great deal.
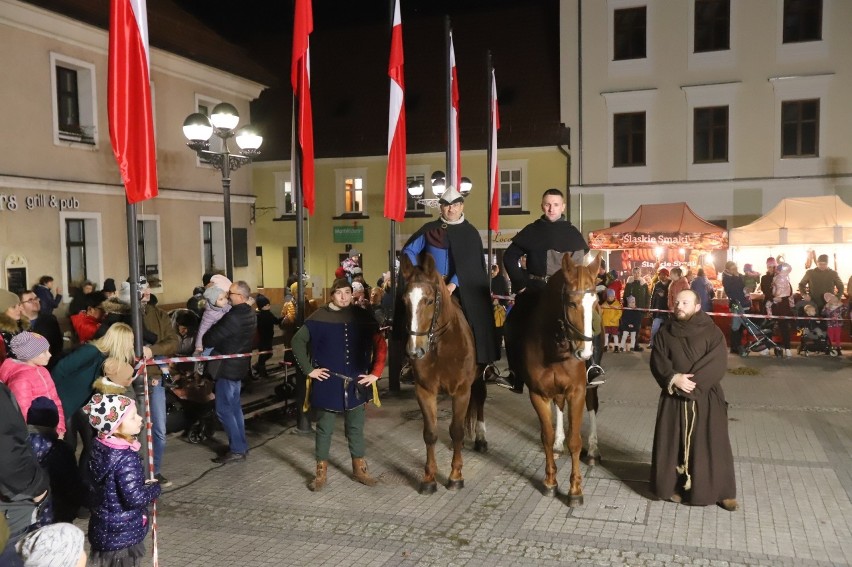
(189, 396)
(813, 335)
(761, 335)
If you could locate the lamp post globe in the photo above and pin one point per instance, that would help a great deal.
(465, 186)
(439, 183)
(224, 116)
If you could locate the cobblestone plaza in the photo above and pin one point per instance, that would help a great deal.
(790, 429)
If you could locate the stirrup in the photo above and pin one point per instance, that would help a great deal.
(597, 380)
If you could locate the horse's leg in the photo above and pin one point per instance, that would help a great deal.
(542, 408)
(575, 444)
(476, 414)
(461, 403)
(559, 437)
(428, 402)
(592, 404)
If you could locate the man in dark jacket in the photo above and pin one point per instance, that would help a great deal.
(23, 483)
(233, 334)
(543, 242)
(660, 301)
(692, 459)
(45, 325)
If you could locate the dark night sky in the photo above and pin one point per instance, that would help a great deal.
(349, 57)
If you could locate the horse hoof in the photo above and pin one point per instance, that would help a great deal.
(480, 446)
(549, 491)
(428, 487)
(455, 484)
(575, 500)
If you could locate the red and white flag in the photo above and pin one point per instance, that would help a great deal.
(395, 182)
(455, 174)
(131, 117)
(300, 77)
(494, 219)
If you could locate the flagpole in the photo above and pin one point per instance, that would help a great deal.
(489, 153)
(451, 174)
(393, 354)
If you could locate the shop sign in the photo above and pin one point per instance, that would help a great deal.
(40, 201)
(348, 234)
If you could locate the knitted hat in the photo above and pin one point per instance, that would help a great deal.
(610, 293)
(261, 301)
(212, 293)
(221, 282)
(823, 258)
(631, 301)
(830, 297)
(43, 412)
(339, 272)
(7, 300)
(109, 285)
(26, 345)
(106, 411)
(747, 268)
(340, 283)
(357, 286)
(56, 545)
(663, 272)
(771, 262)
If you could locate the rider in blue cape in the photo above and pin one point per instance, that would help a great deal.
(456, 246)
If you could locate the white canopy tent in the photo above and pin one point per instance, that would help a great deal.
(793, 228)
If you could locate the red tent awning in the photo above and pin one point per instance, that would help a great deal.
(672, 225)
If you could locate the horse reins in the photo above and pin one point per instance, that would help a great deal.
(567, 304)
(432, 331)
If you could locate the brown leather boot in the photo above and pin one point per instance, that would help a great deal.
(359, 470)
(319, 481)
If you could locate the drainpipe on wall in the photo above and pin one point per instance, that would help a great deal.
(565, 140)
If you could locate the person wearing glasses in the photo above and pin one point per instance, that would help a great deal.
(45, 325)
(456, 246)
(233, 334)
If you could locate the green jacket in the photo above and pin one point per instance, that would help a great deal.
(74, 375)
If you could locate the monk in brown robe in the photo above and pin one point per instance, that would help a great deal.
(692, 459)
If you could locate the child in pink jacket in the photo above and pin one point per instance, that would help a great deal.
(26, 375)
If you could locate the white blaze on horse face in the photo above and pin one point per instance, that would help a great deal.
(588, 304)
(415, 296)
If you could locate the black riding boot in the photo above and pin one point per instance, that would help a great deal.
(736, 341)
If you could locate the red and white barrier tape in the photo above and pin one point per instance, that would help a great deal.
(149, 439)
(151, 361)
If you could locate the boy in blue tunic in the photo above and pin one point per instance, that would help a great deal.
(342, 352)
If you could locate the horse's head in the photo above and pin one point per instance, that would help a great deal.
(422, 298)
(578, 303)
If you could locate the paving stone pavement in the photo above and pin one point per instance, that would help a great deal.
(791, 434)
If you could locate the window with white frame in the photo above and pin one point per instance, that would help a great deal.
(802, 21)
(800, 124)
(712, 21)
(75, 112)
(285, 203)
(630, 33)
(351, 191)
(204, 105)
(148, 249)
(511, 188)
(212, 244)
(712, 130)
(631, 120)
(81, 242)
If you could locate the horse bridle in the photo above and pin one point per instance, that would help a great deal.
(567, 303)
(431, 332)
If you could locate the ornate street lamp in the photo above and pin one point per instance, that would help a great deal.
(198, 129)
(439, 185)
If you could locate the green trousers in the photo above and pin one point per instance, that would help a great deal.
(353, 425)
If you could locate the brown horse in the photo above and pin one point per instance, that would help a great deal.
(443, 357)
(556, 345)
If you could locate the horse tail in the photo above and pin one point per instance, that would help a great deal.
(475, 406)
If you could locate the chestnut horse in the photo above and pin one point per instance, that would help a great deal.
(443, 357)
(555, 348)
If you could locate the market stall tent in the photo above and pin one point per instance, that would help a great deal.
(797, 230)
(664, 235)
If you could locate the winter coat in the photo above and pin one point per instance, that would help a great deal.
(85, 326)
(735, 290)
(66, 487)
(8, 329)
(611, 316)
(639, 290)
(21, 477)
(120, 496)
(704, 290)
(28, 382)
(48, 327)
(233, 334)
(74, 376)
(47, 302)
(266, 323)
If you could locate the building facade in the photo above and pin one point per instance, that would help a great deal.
(729, 105)
(62, 204)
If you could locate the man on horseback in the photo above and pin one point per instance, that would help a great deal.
(456, 247)
(543, 242)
